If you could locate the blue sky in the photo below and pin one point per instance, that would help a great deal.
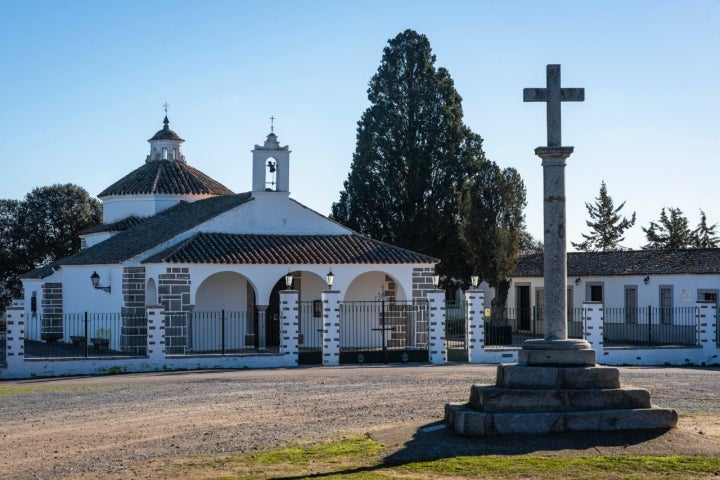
(83, 84)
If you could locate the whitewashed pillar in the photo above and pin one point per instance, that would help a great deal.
(593, 328)
(289, 324)
(331, 327)
(156, 334)
(436, 307)
(707, 325)
(15, 339)
(475, 300)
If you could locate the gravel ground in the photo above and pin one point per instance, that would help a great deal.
(116, 426)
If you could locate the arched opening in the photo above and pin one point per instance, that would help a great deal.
(151, 297)
(271, 166)
(375, 286)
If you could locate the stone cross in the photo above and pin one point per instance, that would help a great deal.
(553, 95)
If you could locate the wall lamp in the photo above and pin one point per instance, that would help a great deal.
(577, 281)
(475, 280)
(95, 279)
(329, 278)
(289, 280)
(646, 280)
(436, 279)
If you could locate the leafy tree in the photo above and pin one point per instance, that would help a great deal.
(530, 245)
(412, 156)
(606, 224)
(670, 232)
(704, 236)
(493, 226)
(40, 229)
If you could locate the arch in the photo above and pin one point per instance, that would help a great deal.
(229, 291)
(371, 285)
(151, 296)
(271, 173)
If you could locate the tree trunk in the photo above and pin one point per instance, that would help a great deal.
(498, 303)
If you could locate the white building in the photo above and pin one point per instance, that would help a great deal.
(174, 237)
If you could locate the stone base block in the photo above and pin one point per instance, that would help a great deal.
(473, 423)
(490, 399)
(556, 357)
(522, 376)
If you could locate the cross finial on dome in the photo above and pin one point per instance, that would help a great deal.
(272, 124)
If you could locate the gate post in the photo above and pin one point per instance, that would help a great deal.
(476, 329)
(436, 307)
(593, 313)
(289, 327)
(331, 327)
(707, 326)
(15, 340)
(156, 335)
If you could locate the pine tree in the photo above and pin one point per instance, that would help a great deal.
(412, 155)
(606, 224)
(671, 232)
(704, 236)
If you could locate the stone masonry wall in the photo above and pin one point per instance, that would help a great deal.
(174, 296)
(52, 312)
(422, 282)
(133, 333)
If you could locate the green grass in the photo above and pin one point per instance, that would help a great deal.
(362, 458)
(27, 389)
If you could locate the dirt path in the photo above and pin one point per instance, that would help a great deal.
(123, 426)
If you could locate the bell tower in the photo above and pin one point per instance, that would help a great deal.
(271, 166)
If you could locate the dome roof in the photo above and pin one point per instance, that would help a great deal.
(166, 133)
(166, 177)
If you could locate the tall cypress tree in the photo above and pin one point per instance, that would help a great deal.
(670, 232)
(607, 226)
(412, 156)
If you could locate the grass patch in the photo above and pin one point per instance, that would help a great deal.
(13, 390)
(362, 458)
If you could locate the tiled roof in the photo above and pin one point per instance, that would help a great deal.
(223, 248)
(632, 262)
(167, 177)
(118, 226)
(155, 230)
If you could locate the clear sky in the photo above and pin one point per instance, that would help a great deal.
(82, 86)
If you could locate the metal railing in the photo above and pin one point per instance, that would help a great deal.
(651, 326)
(85, 335)
(383, 325)
(515, 325)
(311, 322)
(3, 340)
(456, 325)
(222, 332)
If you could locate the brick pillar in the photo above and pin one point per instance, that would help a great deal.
(475, 322)
(436, 307)
(593, 326)
(289, 310)
(156, 334)
(15, 340)
(331, 327)
(707, 325)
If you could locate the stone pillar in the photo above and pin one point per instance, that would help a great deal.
(331, 327)
(289, 325)
(707, 325)
(15, 338)
(436, 308)
(475, 322)
(593, 325)
(262, 321)
(156, 334)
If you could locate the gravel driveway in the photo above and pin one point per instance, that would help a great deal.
(102, 426)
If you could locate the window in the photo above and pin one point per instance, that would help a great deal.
(594, 292)
(631, 304)
(666, 305)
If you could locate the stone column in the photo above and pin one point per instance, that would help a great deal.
(262, 321)
(476, 329)
(15, 339)
(436, 308)
(331, 327)
(156, 335)
(289, 324)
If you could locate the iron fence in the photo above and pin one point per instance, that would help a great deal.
(383, 325)
(222, 332)
(85, 335)
(456, 331)
(515, 325)
(310, 318)
(651, 326)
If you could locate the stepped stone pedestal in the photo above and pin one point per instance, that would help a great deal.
(556, 387)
